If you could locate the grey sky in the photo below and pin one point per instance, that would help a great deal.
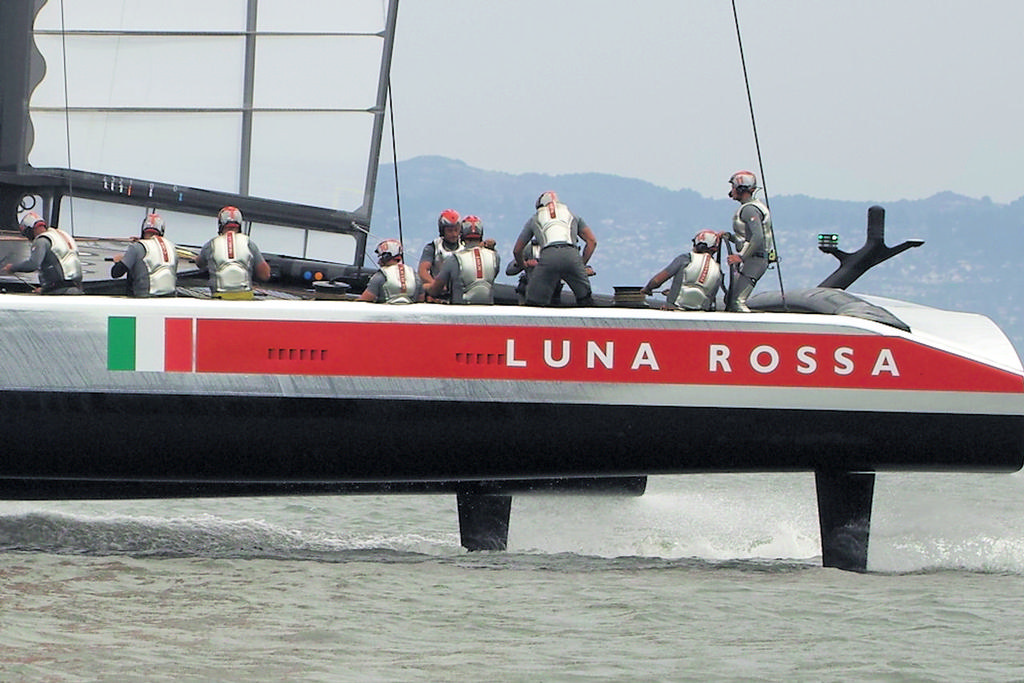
(872, 100)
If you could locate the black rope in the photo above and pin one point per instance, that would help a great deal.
(757, 146)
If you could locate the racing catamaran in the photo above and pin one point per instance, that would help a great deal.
(296, 395)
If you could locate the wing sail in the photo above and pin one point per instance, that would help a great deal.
(189, 105)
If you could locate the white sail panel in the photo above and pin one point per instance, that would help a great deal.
(332, 246)
(151, 146)
(143, 15)
(316, 159)
(359, 16)
(317, 72)
(325, 246)
(141, 71)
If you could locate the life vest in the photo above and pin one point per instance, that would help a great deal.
(697, 284)
(231, 259)
(161, 261)
(399, 284)
(477, 269)
(740, 229)
(440, 254)
(62, 245)
(555, 221)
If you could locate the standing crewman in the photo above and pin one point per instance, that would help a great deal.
(696, 276)
(54, 254)
(556, 230)
(395, 282)
(151, 262)
(232, 258)
(752, 235)
(469, 272)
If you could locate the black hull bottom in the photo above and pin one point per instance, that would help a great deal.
(256, 441)
(87, 445)
(108, 489)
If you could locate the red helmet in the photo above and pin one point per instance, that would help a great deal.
(28, 224)
(546, 198)
(706, 242)
(229, 215)
(153, 221)
(472, 228)
(447, 218)
(387, 250)
(743, 181)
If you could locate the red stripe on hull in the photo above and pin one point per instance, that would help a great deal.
(588, 355)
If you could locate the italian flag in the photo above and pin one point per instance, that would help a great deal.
(150, 343)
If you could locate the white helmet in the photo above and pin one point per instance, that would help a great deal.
(28, 224)
(743, 181)
(387, 250)
(229, 215)
(153, 221)
(706, 242)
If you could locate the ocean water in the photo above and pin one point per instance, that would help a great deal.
(705, 577)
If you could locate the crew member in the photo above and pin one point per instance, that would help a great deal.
(448, 241)
(54, 255)
(395, 282)
(232, 258)
(556, 230)
(151, 262)
(696, 276)
(752, 236)
(469, 272)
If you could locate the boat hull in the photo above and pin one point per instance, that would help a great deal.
(208, 397)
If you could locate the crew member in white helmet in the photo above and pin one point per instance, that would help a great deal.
(232, 258)
(752, 236)
(395, 282)
(54, 254)
(696, 276)
(151, 261)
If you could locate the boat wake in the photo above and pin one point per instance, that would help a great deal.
(207, 536)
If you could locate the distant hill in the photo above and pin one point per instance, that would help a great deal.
(965, 264)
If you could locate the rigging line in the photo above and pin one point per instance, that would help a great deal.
(757, 145)
(67, 125)
(394, 162)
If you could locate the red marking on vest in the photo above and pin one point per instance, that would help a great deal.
(479, 264)
(64, 237)
(401, 278)
(551, 209)
(231, 244)
(704, 270)
(163, 248)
